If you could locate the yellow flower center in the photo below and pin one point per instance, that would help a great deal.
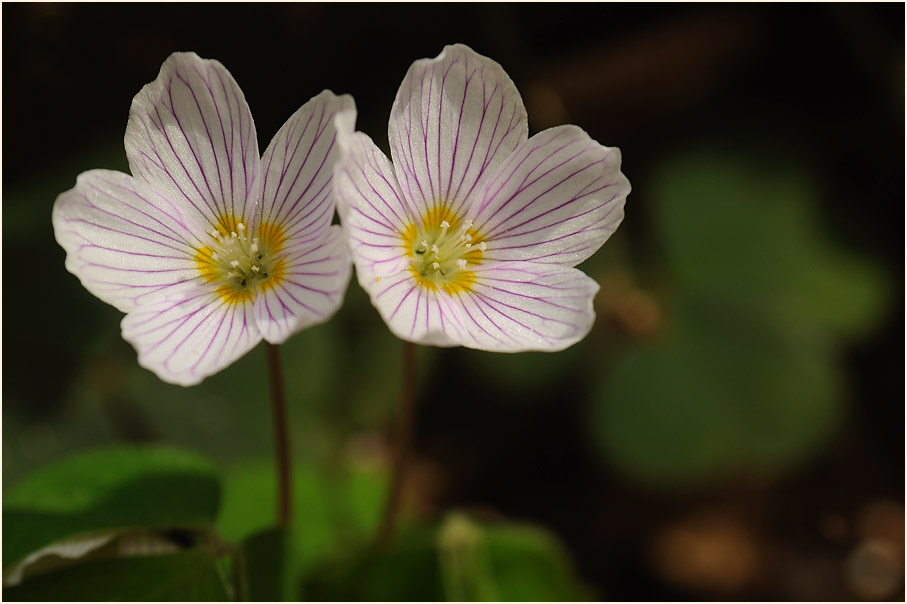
(442, 249)
(240, 262)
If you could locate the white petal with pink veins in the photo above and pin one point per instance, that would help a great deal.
(415, 313)
(455, 117)
(125, 243)
(298, 169)
(374, 212)
(308, 290)
(555, 200)
(190, 135)
(186, 339)
(522, 306)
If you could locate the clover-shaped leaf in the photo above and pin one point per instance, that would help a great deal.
(744, 375)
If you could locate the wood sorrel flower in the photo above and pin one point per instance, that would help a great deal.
(208, 247)
(471, 235)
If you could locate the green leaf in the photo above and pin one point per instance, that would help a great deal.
(745, 230)
(187, 576)
(265, 565)
(408, 571)
(723, 391)
(460, 560)
(745, 375)
(529, 564)
(109, 489)
(332, 508)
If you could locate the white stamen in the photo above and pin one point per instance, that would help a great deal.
(434, 248)
(214, 233)
(435, 265)
(234, 263)
(424, 244)
(461, 263)
(445, 224)
(215, 256)
(240, 226)
(233, 234)
(468, 244)
(255, 268)
(483, 246)
(254, 248)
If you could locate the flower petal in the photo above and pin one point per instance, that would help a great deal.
(556, 200)
(522, 306)
(374, 212)
(190, 136)
(455, 117)
(298, 167)
(310, 290)
(125, 243)
(414, 313)
(184, 340)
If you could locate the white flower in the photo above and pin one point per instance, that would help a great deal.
(471, 235)
(208, 247)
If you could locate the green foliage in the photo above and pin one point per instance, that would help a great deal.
(744, 376)
(185, 576)
(265, 558)
(408, 571)
(329, 508)
(722, 392)
(115, 488)
(745, 232)
(333, 509)
(529, 564)
(460, 560)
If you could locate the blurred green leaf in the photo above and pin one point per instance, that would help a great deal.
(330, 509)
(112, 488)
(745, 231)
(460, 560)
(723, 391)
(408, 571)
(265, 566)
(187, 576)
(529, 564)
(744, 376)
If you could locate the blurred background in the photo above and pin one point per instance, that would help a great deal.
(732, 428)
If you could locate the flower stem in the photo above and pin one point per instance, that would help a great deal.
(401, 453)
(281, 436)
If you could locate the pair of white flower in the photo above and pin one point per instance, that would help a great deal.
(468, 238)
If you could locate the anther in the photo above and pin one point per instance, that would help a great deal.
(255, 268)
(461, 263)
(445, 224)
(233, 234)
(240, 226)
(483, 246)
(435, 265)
(234, 263)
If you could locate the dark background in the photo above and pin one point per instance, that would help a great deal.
(812, 89)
